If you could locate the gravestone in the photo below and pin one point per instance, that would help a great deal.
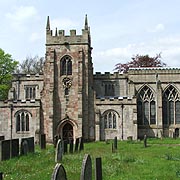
(59, 173)
(71, 145)
(98, 169)
(59, 151)
(4, 150)
(112, 147)
(145, 141)
(65, 146)
(2, 138)
(15, 147)
(30, 142)
(56, 138)
(81, 144)
(86, 170)
(24, 147)
(43, 141)
(76, 145)
(115, 143)
(1, 176)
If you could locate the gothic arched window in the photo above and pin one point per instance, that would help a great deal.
(110, 120)
(146, 107)
(22, 121)
(66, 65)
(171, 106)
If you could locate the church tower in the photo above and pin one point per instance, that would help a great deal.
(68, 97)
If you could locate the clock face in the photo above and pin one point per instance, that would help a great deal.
(67, 82)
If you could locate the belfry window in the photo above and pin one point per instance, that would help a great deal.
(66, 65)
(109, 89)
(171, 106)
(22, 121)
(30, 92)
(146, 107)
(110, 120)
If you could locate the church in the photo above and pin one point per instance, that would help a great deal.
(70, 101)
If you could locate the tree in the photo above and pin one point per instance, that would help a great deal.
(31, 65)
(7, 67)
(140, 61)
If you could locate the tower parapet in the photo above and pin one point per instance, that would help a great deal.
(60, 38)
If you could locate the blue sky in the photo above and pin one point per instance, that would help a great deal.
(119, 28)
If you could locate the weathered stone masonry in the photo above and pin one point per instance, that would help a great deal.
(68, 101)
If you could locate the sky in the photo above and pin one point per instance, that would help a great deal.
(120, 29)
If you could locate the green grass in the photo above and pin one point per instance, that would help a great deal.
(159, 161)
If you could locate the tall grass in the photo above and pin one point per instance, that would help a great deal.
(160, 160)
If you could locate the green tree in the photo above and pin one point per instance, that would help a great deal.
(140, 61)
(7, 67)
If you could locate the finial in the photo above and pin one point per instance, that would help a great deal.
(86, 23)
(56, 32)
(48, 24)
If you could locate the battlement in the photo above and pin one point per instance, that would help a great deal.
(108, 75)
(28, 77)
(20, 103)
(59, 37)
(154, 70)
(115, 100)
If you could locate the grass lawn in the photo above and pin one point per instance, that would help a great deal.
(159, 161)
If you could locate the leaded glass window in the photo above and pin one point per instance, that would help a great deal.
(146, 107)
(110, 120)
(66, 65)
(171, 106)
(30, 92)
(22, 121)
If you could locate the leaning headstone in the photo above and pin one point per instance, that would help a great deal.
(71, 145)
(81, 144)
(15, 148)
(76, 145)
(24, 147)
(145, 141)
(59, 151)
(4, 150)
(115, 143)
(59, 173)
(86, 170)
(43, 141)
(98, 170)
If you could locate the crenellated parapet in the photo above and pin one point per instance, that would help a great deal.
(20, 103)
(154, 70)
(60, 38)
(115, 100)
(108, 75)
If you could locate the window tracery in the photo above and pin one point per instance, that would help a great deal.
(146, 107)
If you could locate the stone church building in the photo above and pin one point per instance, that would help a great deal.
(69, 101)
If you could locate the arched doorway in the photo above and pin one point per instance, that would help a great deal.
(67, 132)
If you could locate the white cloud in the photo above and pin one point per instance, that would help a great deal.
(168, 46)
(158, 28)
